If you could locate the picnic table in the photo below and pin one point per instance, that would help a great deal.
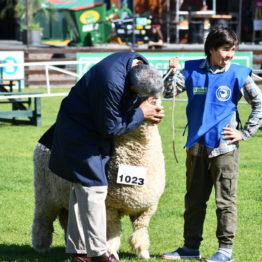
(25, 106)
(8, 85)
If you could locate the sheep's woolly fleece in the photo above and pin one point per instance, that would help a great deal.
(141, 147)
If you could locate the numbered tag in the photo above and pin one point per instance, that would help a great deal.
(131, 175)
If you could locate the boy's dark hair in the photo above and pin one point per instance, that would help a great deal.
(219, 36)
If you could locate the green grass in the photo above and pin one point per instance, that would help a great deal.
(166, 228)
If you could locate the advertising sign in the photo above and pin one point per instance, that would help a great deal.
(12, 71)
(160, 60)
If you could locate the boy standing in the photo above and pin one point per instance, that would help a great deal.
(214, 86)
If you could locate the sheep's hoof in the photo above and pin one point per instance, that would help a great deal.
(115, 255)
(144, 254)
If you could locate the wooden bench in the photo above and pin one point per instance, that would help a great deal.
(26, 106)
(8, 85)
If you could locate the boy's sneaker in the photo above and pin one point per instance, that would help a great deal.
(219, 257)
(181, 253)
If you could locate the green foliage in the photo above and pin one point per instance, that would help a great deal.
(32, 27)
(7, 7)
(24, 8)
(166, 227)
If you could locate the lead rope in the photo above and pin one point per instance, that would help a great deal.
(173, 115)
(173, 122)
(256, 76)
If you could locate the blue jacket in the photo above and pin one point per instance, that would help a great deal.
(99, 107)
(212, 101)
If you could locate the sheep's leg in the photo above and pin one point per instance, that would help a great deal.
(42, 229)
(113, 231)
(139, 240)
(63, 219)
(44, 214)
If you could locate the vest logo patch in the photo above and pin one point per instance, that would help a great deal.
(199, 90)
(223, 93)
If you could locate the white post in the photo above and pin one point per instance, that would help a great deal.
(214, 6)
(168, 21)
(47, 79)
(177, 20)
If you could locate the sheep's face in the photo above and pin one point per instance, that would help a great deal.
(141, 99)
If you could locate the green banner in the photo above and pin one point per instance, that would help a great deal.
(89, 25)
(160, 60)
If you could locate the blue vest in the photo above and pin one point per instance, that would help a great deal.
(212, 101)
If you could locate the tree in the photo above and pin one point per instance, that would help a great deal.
(27, 12)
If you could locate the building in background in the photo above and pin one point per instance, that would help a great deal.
(176, 18)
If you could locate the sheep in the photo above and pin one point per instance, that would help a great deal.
(141, 147)
(51, 200)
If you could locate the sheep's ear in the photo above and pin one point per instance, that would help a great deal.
(158, 101)
(153, 100)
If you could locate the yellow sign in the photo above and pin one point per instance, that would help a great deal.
(89, 17)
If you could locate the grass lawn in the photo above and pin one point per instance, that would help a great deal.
(166, 228)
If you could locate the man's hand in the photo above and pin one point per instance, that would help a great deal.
(232, 134)
(152, 112)
(174, 64)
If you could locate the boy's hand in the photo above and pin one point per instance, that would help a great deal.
(232, 134)
(174, 64)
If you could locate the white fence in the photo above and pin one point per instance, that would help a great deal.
(46, 67)
(53, 66)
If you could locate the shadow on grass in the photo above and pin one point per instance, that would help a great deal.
(132, 256)
(26, 253)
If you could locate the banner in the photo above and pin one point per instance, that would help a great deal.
(160, 60)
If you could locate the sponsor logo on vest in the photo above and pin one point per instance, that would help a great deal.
(223, 93)
(199, 90)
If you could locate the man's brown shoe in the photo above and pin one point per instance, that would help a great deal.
(105, 258)
(80, 258)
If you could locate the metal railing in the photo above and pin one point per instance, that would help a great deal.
(53, 66)
(47, 66)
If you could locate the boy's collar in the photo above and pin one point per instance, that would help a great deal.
(213, 69)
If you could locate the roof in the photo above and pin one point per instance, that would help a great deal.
(75, 4)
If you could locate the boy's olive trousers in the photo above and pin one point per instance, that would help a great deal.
(202, 175)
